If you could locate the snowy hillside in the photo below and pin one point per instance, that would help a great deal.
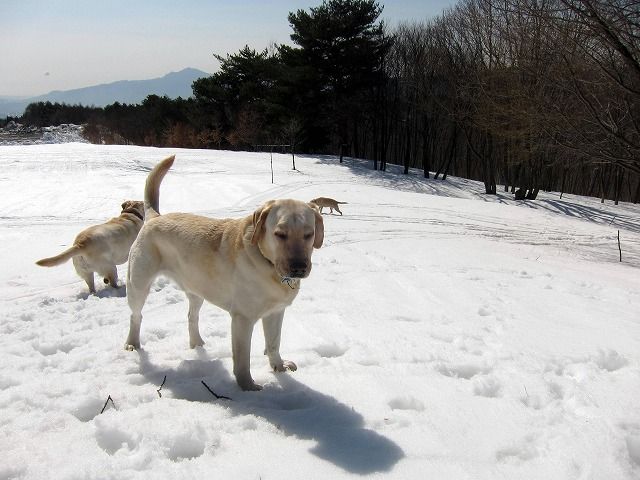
(442, 334)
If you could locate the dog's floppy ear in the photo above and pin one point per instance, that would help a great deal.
(259, 217)
(319, 237)
(126, 204)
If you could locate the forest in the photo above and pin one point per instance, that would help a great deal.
(523, 95)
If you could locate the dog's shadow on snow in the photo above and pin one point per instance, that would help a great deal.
(106, 292)
(292, 407)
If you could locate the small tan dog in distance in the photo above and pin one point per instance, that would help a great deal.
(329, 203)
(251, 267)
(101, 247)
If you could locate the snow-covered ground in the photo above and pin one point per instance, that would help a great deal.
(442, 334)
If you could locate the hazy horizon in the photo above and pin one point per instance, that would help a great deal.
(76, 44)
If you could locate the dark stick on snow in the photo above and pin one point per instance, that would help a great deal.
(158, 390)
(620, 249)
(105, 403)
(214, 393)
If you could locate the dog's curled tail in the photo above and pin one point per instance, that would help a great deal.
(61, 258)
(152, 187)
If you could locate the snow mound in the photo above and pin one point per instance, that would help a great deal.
(17, 134)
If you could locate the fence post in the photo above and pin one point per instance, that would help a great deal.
(293, 157)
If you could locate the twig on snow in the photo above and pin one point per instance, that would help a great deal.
(158, 390)
(214, 393)
(105, 404)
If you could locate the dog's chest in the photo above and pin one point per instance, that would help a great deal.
(259, 299)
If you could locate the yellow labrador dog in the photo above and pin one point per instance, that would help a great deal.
(330, 203)
(250, 267)
(101, 247)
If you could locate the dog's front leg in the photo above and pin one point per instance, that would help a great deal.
(195, 302)
(241, 330)
(133, 339)
(272, 326)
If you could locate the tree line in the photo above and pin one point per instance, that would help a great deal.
(532, 95)
(527, 95)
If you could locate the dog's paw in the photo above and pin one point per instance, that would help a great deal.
(284, 366)
(196, 343)
(253, 387)
(131, 348)
(248, 385)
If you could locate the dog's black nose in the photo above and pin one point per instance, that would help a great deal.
(298, 268)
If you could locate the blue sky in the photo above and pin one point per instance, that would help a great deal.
(63, 44)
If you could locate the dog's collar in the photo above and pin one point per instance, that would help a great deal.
(292, 283)
(134, 212)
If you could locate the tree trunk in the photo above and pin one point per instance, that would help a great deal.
(618, 186)
(407, 150)
(636, 197)
(426, 145)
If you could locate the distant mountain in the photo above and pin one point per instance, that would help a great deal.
(173, 85)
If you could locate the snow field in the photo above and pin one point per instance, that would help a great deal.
(441, 334)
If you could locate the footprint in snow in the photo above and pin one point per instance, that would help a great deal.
(51, 348)
(462, 370)
(45, 302)
(633, 448)
(609, 360)
(330, 350)
(524, 450)
(111, 439)
(406, 402)
(185, 446)
(87, 408)
(487, 386)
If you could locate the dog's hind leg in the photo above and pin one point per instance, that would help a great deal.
(84, 272)
(136, 298)
(338, 210)
(139, 278)
(111, 277)
(272, 326)
(88, 277)
(195, 302)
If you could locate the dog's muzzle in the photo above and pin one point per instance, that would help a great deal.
(299, 269)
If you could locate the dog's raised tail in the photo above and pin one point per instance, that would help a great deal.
(60, 258)
(152, 187)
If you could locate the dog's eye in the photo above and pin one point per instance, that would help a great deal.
(281, 235)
